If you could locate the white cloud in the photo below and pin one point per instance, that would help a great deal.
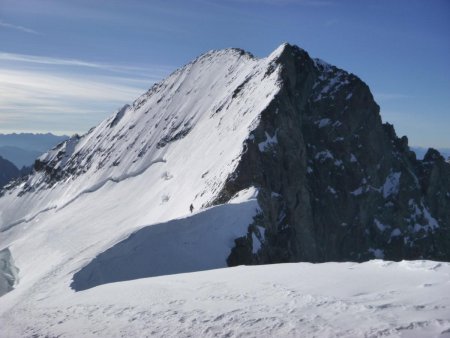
(51, 61)
(38, 92)
(28, 94)
(18, 84)
(18, 28)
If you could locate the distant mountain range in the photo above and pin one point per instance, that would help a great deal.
(8, 171)
(23, 149)
(421, 151)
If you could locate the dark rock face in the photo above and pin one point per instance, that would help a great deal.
(8, 171)
(335, 182)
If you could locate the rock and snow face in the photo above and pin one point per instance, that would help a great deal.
(333, 182)
(182, 138)
(327, 168)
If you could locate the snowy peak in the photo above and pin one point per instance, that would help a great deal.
(306, 134)
(230, 160)
(196, 120)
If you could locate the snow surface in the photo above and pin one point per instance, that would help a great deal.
(268, 143)
(199, 242)
(323, 122)
(382, 227)
(372, 299)
(391, 185)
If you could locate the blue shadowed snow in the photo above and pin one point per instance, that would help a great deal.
(200, 242)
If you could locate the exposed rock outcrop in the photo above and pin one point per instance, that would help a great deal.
(335, 182)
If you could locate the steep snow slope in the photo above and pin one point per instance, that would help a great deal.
(372, 299)
(182, 138)
(175, 145)
(198, 242)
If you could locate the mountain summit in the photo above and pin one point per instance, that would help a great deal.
(283, 159)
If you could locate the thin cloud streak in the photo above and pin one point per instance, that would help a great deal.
(18, 28)
(46, 85)
(55, 98)
(45, 60)
(44, 92)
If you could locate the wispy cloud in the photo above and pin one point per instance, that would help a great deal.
(40, 92)
(18, 28)
(45, 60)
(42, 99)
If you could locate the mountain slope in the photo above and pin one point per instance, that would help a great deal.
(173, 147)
(141, 138)
(333, 182)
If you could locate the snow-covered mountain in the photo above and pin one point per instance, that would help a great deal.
(173, 147)
(283, 159)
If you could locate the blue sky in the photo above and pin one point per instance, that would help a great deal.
(66, 65)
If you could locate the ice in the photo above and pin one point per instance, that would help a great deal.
(323, 122)
(268, 143)
(357, 191)
(322, 156)
(331, 190)
(382, 227)
(432, 223)
(391, 185)
(396, 232)
(377, 253)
